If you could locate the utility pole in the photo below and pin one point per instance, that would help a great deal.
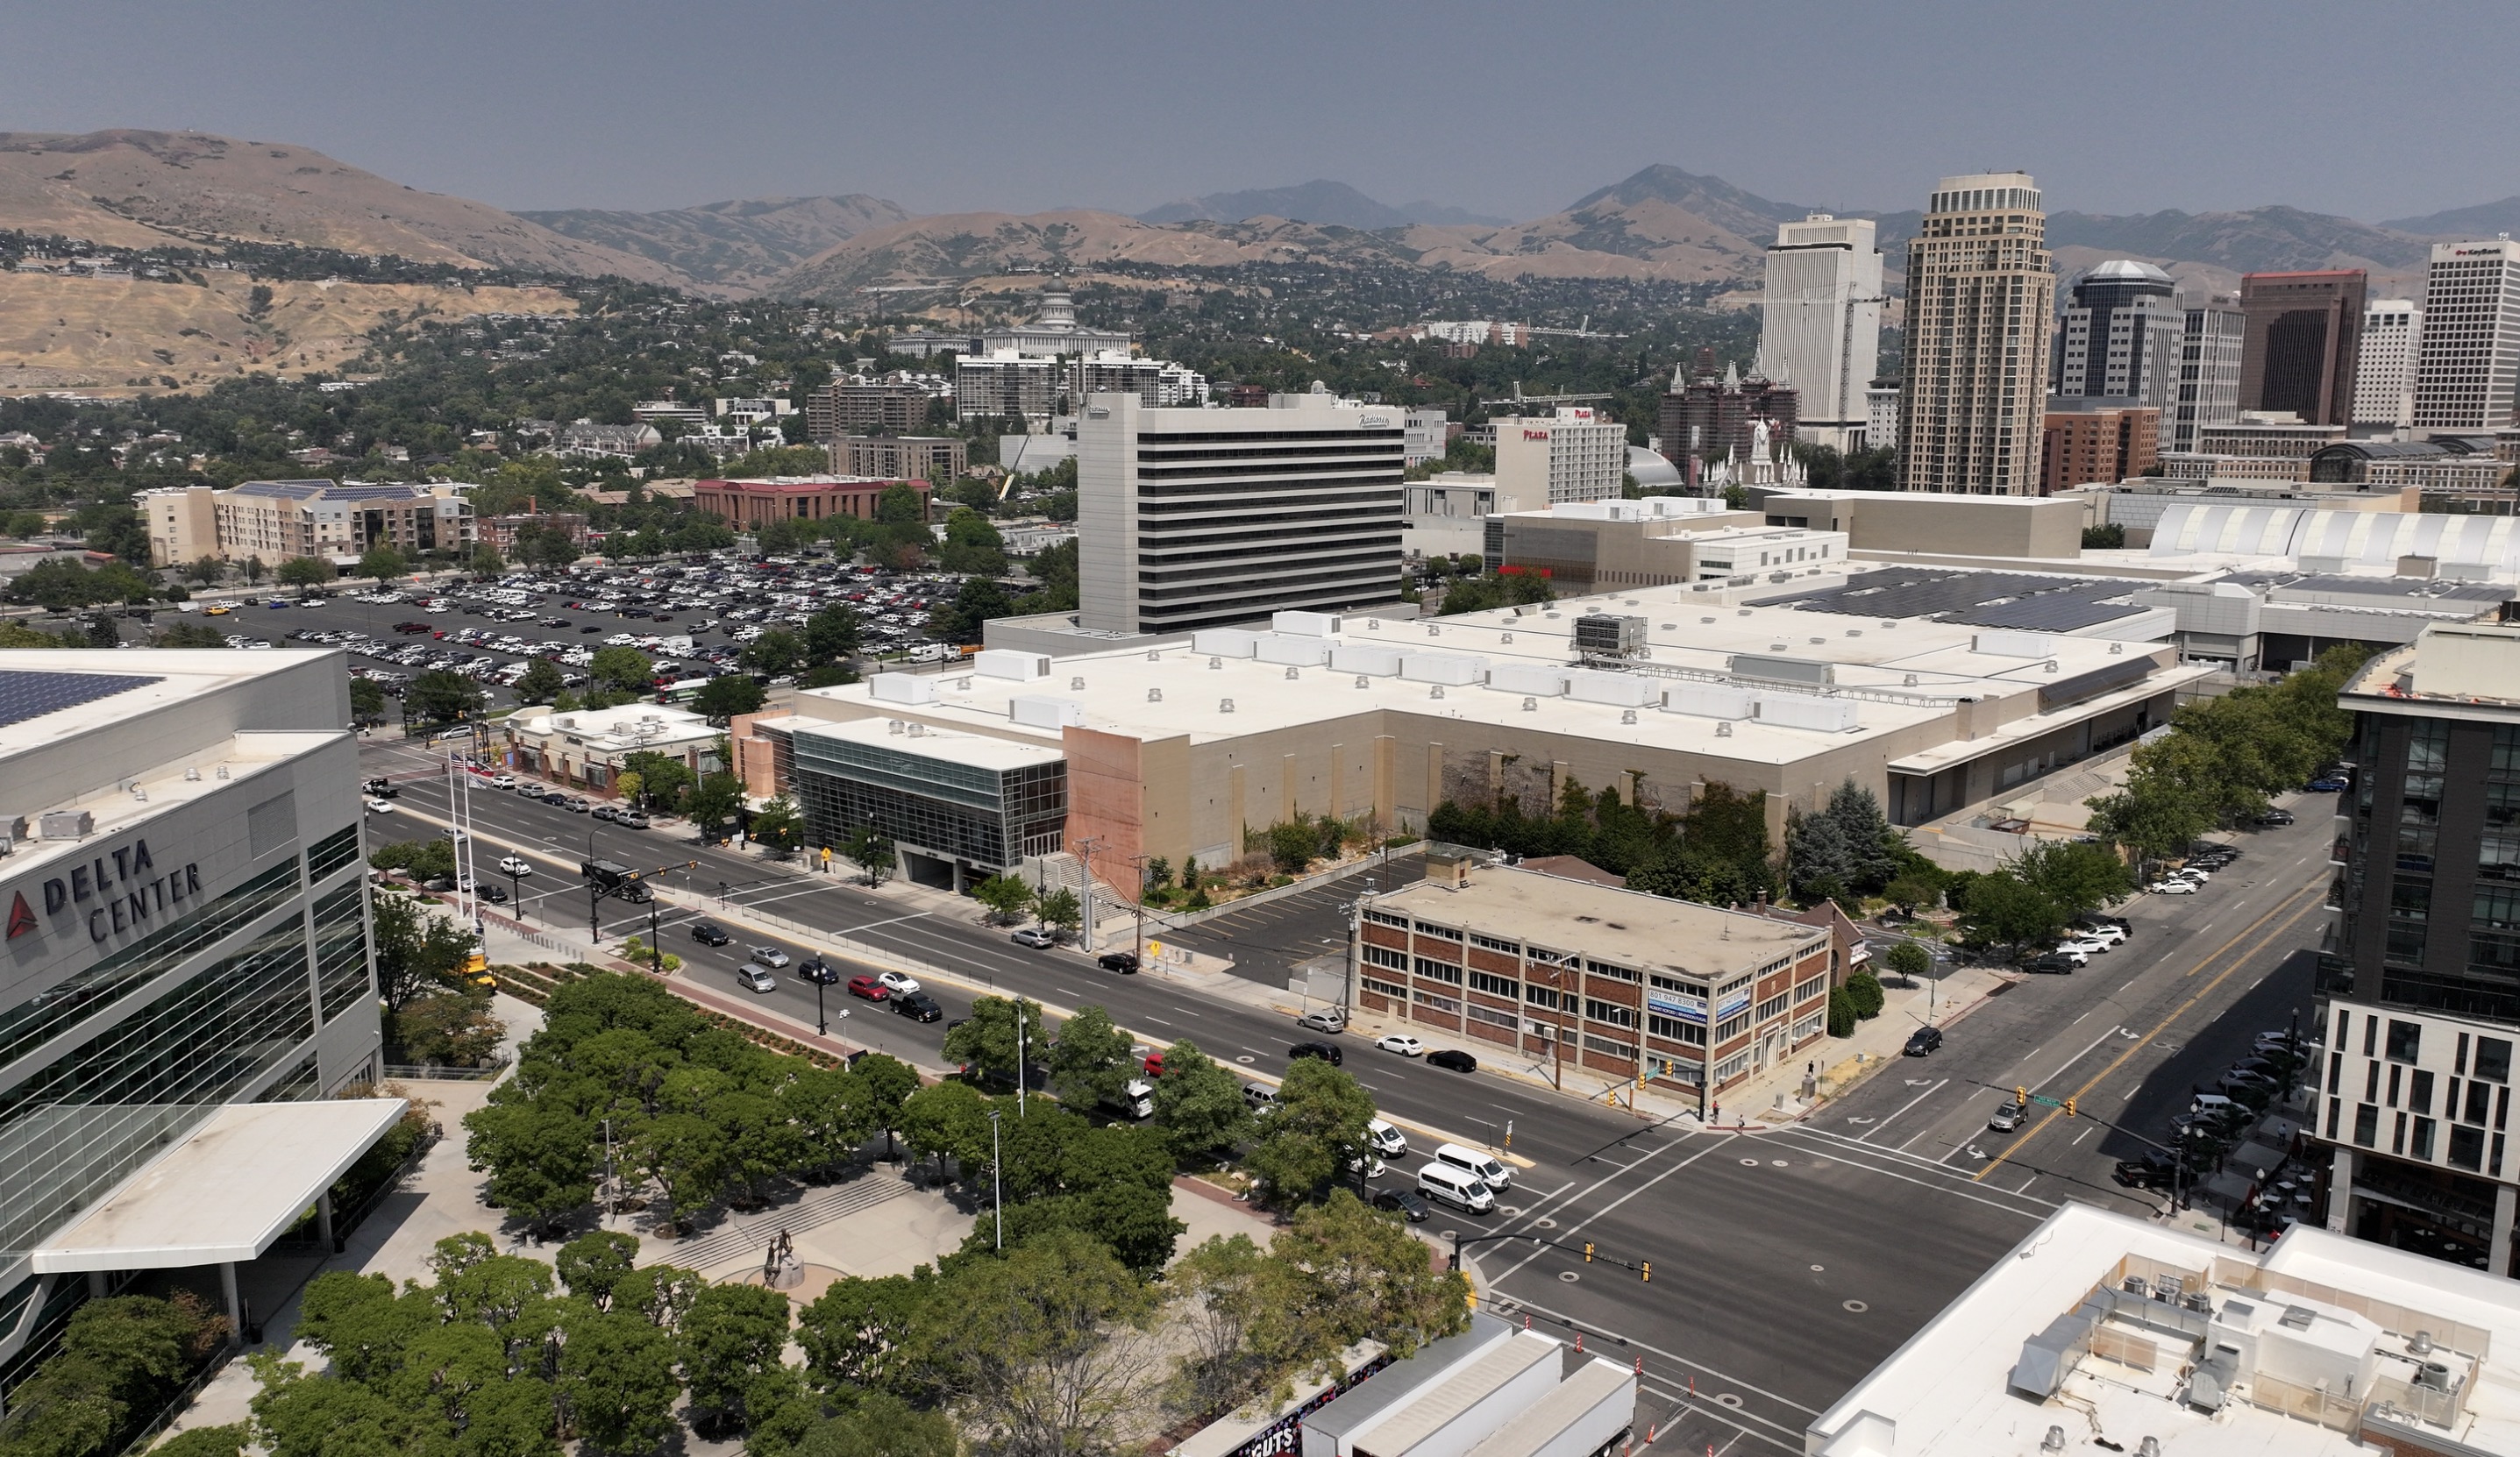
(1020, 1078)
(1085, 848)
(997, 1181)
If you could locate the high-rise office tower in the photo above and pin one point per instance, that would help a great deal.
(2465, 369)
(2301, 348)
(1819, 321)
(2384, 379)
(1981, 290)
(2420, 982)
(2117, 345)
(1194, 518)
(2208, 368)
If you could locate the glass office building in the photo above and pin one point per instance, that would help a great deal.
(186, 929)
(958, 808)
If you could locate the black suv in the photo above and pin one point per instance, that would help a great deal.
(1123, 962)
(819, 971)
(2152, 1170)
(2053, 963)
(1408, 1204)
(1326, 1051)
(1922, 1042)
(709, 932)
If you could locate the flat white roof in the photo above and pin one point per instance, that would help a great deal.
(1947, 1392)
(224, 1193)
(156, 679)
(972, 749)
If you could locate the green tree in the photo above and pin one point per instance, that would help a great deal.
(881, 1424)
(831, 636)
(728, 696)
(1294, 845)
(415, 949)
(1004, 898)
(660, 780)
(1863, 990)
(367, 696)
(382, 562)
(487, 562)
(303, 572)
(778, 825)
(985, 1043)
(1199, 1106)
(1907, 961)
(440, 696)
(1841, 1013)
(541, 683)
(255, 571)
(1495, 590)
(1061, 911)
(1845, 849)
(1089, 1062)
(2077, 875)
(973, 546)
(616, 1375)
(2006, 911)
(545, 548)
(978, 601)
(883, 1082)
(712, 802)
(856, 1334)
(1314, 1133)
(946, 1120)
(870, 850)
(595, 1263)
(1351, 1273)
(729, 1340)
(776, 653)
(1044, 1351)
(1053, 570)
(205, 570)
(622, 669)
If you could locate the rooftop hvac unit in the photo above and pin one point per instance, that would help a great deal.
(902, 688)
(1801, 711)
(1774, 669)
(1305, 624)
(67, 824)
(1600, 635)
(1041, 711)
(1625, 689)
(1294, 652)
(1454, 668)
(1000, 662)
(2011, 645)
(1704, 700)
(1224, 642)
(1373, 662)
(1533, 680)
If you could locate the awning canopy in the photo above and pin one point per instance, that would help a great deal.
(225, 1193)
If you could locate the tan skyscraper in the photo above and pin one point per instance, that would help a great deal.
(1981, 298)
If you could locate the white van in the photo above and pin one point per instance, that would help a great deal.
(1477, 1165)
(1136, 1099)
(1450, 1185)
(1385, 1139)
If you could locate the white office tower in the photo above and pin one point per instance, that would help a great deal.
(1197, 518)
(2384, 372)
(1819, 321)
(1981, 298)
(1575, 454)
(2212, 335)
(2470, 352)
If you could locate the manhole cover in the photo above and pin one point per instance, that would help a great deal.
(1569, 1276)
(1779, 1163)
(1242, 1059)
(1815, 1269)
(1728, 1399)
(1447, 1234)
(1510, 1211)
(1749, 1163)
(1544, 1222)
(1857, 1307)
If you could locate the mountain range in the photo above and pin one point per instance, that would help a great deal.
(138, 189)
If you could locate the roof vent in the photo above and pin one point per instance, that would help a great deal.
(2116, 648)
(140, 794)
(1855, 631)
(1216, 662)
(1436, 693)
(1076, 683)
(2052, 665)
(2420, 1345)
(892, 726)
(1154, 695)
(1373, 623)
(1507, 637)
(1293, 673)
(963, 685)
(1153, 656)
(1817, 641)
(1361, 681)
(2298, 1317)
(1887, 622)
(1225, 707)
(1776, 647)
(1723, 729)
(1530, 705)
(1709, 621)
(1626, 715)
(2150, 1446)
(1433, 630)
(222, 772)
(1909, 682)
(2053, 1441)
(1744, 612)
(192, 777)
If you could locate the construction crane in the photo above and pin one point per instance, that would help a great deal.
(1520, 398)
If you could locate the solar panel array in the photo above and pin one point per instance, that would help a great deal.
(32, 695)
(1973, 598)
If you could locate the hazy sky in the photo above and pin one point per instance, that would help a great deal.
(1516, 109)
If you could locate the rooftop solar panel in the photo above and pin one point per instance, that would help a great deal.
(1994, 600)
(30, 695)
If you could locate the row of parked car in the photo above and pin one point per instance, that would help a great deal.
(2214, 1120)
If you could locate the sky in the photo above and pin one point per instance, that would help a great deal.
(1513, 109)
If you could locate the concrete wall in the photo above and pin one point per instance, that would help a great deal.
(1974, 527)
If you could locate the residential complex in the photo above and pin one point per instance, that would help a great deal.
(1574, 454)
(2301, 352)
(2469, 363)
(747, 503)
(278, 519)
(1819, 321)
(928, 458)
(1981, 293)
(2420, 977)
(1191, 519)
(190, 986)
(896, 403)
(1004, 385)
(1587, 979)
(2384, 381)
(2118, 342)
(1154, 382)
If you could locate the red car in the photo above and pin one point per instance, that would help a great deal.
(1154, 1065)
(869, 988)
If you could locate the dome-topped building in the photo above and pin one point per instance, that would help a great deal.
(2118, 341)
(1053, 332)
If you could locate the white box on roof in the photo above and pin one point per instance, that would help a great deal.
(2004, 642)
(1455, 668)
(1373, 662)
(1222, 643)
(1305, 624)
(1296, 652)
(1803, 711)
(1533, 680)
(1706, 700)
(902, 688)
(1625, 689)
(1005, 662)
(1042, 711)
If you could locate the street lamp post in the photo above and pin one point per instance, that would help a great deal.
(997, 1181)
(822, 1024)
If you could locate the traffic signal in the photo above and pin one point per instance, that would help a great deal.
(2022, 1095)
(1588, 1252)
(1645, 1267)
(2069, 1107)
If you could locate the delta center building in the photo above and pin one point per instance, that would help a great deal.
(186, 982)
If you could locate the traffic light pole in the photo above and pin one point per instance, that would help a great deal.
(1642, 1267)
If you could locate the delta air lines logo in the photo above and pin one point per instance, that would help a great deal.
(21, 916)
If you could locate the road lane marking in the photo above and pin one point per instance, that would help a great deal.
(1737, 1384)
(2314, 894)
(1579, 1225)
(1904, 1107)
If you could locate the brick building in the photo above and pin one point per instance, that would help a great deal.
(747, 503)
(2107, 445)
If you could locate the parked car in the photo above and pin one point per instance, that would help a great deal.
(2325, 786)
(606, 812)
(1453, 1059)
(515, 864)
(1408, 1204)
(1038, 938)
(634, 820)
(867, 987)
(578, 804)
(1123, 962)
(2107, 931)
(1257, 1098)
(899, 983)
(2273, 818)
(2006, 1116)
(2170, 887)
(709, 932)
(1400, 1043)
(1922, 1042)
(917, 1006)
(2053, 963)
(1323, 1050)
(767, 955)
(1326, 1019)
(2088, 946)
(495, 895)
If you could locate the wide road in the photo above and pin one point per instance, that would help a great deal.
(1785, 1264)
